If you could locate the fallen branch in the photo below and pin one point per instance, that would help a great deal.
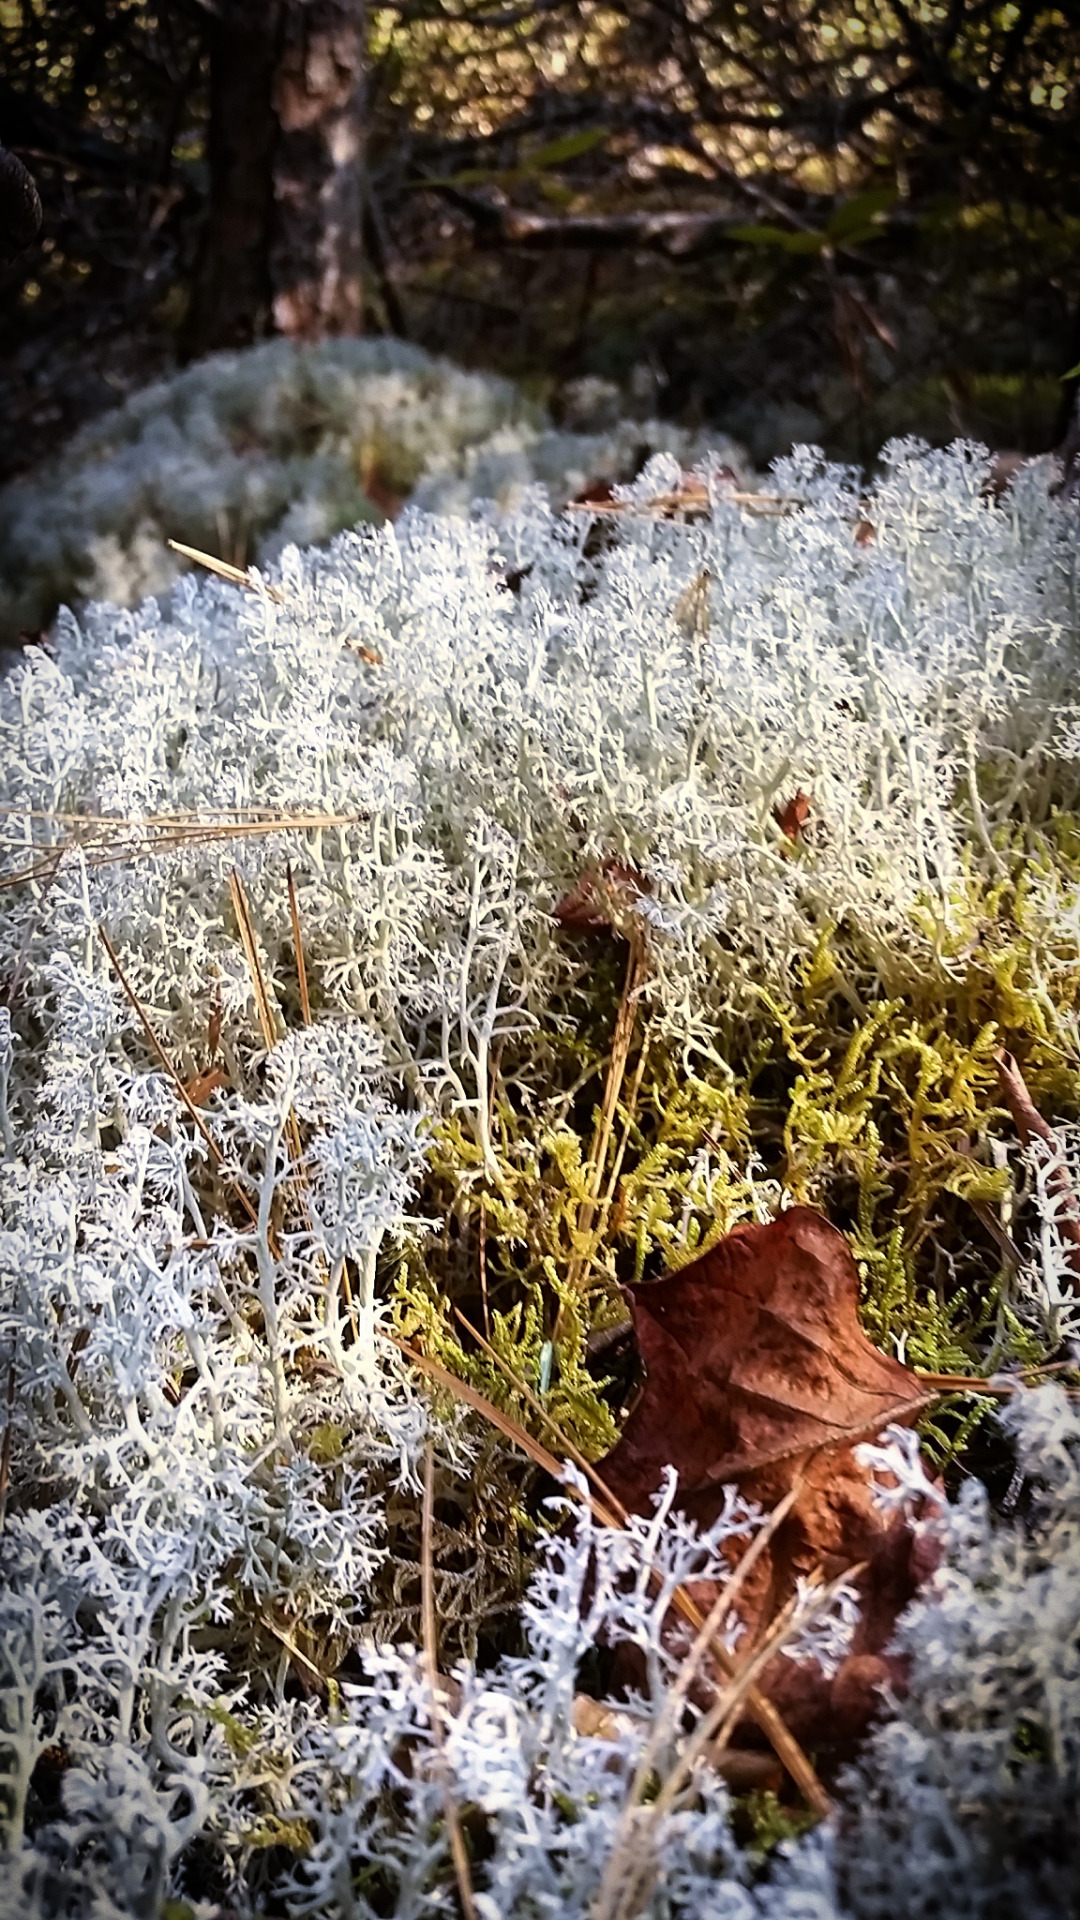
(681, 236)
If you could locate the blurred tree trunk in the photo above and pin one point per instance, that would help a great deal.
(231, 296)
(315, 260)
(281, 248)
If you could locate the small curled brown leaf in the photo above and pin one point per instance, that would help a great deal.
(793, 816)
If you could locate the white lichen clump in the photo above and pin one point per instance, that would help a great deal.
(200, 1454)
(245, 452)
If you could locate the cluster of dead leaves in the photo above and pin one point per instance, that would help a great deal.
(758, 1375)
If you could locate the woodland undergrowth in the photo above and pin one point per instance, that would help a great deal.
(408, 948)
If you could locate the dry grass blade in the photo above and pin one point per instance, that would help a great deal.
(236, 576)
(431, 1663)
(607, 1510)
(294, 1652)
(162, 1057)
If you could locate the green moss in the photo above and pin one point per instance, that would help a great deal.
(869, 1090)
(766, 1823)
(296, 1835)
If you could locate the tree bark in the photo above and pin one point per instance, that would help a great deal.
(232, 293)
(281, 248)
(20, 208)
(315, 258)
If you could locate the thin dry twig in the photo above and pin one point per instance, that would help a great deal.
(610, 1513)
(1030, 1124)
(162, 1057)
(431, 1664)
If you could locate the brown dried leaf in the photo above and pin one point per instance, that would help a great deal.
(757, 1370)
(1004, 468)
(201, 1085)
(793, 816)
(366, 654)
(601, 895)
(596, 493)
(380, 491)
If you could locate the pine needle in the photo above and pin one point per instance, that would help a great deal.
(431, 1663)
(104, 840)
(263, 1004)
(236, 576)
(298, 949)
(631, 1868)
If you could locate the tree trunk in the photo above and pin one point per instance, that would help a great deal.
(232, 294)
(318, 184)
(281, 248)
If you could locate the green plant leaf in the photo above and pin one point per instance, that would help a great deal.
(570, 146)
(787, 239)
(858, 219)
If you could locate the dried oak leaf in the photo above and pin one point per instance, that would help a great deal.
(757, 1370)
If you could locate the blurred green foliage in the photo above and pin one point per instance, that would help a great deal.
(893, 183)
